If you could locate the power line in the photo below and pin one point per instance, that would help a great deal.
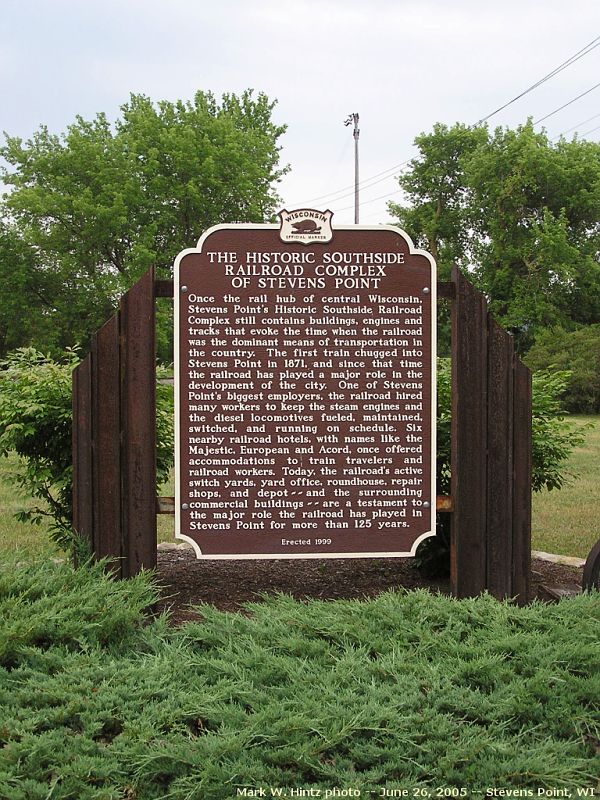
(372, 200)
(575, 57)
(575, 127)
(366, 184)
(535, 123)
(556, 110)
(387, 173)
(592, 131)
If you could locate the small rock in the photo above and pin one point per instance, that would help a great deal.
(174, 546)
(572, 561)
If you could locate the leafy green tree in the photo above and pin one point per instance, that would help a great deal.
(519, 213)
(26, 294)
(101, 203)
(535, 212)
(36, 422)
(436, 214)
(435, 186)
(578, 353)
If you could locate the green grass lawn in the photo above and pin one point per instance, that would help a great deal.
(566, 521)
(18, 537)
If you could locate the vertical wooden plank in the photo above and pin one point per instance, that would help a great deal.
(83, 521)
(521, 533)
(138, 421)
(469, 424)
(500, 461)
(106, 416)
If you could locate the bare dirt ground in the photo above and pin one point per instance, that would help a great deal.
(187, 582)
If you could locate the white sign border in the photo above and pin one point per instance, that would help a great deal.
(176, 365)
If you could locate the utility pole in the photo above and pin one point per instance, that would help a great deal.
(353, 118)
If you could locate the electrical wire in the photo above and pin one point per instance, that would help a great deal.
(367, 183)
(575, 57)
(592, 131)
(575, 127)
(372, 200)
(556, 110)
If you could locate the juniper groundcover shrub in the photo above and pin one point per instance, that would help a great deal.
(98, 701)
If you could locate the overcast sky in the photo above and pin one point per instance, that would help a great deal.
(401, 65)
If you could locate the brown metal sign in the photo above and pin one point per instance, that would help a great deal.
(305, 391)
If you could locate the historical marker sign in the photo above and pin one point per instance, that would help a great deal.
(305, 391)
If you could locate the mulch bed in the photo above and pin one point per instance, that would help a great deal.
(230, 585)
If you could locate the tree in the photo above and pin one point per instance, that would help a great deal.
(436, 188)
(535, 210)
(520, 214)
(436, 215)
(25, 293)
(101, 203)
(577, 353)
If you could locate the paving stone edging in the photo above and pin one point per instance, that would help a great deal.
(571, 561)
(174, 546)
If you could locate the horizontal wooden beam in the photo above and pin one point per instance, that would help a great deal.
(165, 505)
(446, 290)
(163, 288)
(444, 504)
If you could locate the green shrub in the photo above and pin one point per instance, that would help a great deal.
(36, 421)
(578, 352)
(164, 424)
(45, 605)
(407, 689)
(553, 439)
(553, 436)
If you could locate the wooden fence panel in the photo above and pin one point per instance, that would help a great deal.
(114, 436)
(499, 461)
(591, 569)
(107, 445)
(138, 422)
(469, 426)
(522, 473)
(83, 517)
(491, 453)
(114, 443)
